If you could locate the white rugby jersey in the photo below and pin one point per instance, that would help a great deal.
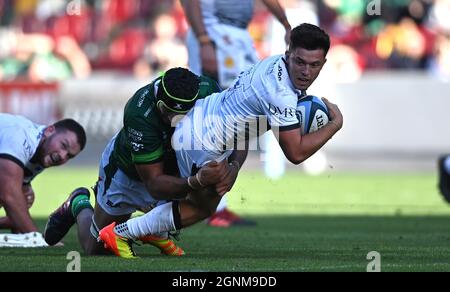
(262, 95)
(19, 139)
(236, 13)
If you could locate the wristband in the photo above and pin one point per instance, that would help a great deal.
(197, 176)
(189, 183)
(204, 39)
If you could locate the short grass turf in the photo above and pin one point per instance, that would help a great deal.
(324, 223)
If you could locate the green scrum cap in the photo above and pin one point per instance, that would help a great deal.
(178, 90)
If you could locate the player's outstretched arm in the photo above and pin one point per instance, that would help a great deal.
(167, 187)
(12, 198)
(279, 13)
(298, 148)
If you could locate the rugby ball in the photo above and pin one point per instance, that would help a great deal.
(312, 114)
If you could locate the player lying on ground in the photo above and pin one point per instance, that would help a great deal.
(269, 90)
(138, 167)
(26, 149)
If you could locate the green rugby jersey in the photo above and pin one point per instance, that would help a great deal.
(145, 138)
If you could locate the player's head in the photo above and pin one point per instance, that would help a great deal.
(306, 55)
(177, 91)
(60, 142)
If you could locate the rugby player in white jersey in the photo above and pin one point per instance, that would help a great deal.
(26, 149)
(268, 91)
(220, 46)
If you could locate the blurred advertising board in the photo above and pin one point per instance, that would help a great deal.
(36, 101)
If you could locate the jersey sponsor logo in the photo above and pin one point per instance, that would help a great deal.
(280, 73)
(137, 147)
(27, 147)
(229, 62)
(286, 112)
(148, 112)
(271, 68)
(142, 98)
(40, 135)
(135, 135)
(113, 205)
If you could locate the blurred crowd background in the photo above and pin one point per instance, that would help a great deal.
(52, 40)
(83, 59)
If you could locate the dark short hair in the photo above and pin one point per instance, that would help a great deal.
(309, 37)
(72, 126)
(178, 89)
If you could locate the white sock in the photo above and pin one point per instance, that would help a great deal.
(124, 231)
(222, 204)
(157, 221)
(447, 164)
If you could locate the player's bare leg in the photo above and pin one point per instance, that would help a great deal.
(89, 223)
(63, 218)
(198, 206)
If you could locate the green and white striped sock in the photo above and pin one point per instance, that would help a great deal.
(80, 203)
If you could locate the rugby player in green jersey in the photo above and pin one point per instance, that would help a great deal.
(138, 169)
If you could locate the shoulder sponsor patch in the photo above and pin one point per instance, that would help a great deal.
(280, 73)
(142, 98)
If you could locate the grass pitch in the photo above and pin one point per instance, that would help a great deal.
(324, 223)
